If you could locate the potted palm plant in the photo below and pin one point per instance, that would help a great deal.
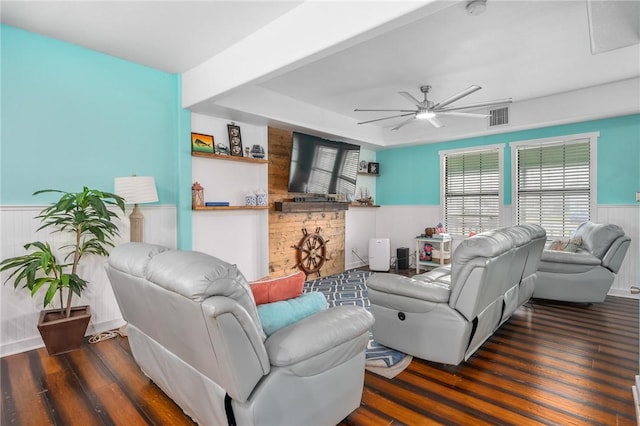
(86, 217)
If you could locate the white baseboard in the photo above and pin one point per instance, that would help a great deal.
(354, 265)
(623, 293)
(36, 342)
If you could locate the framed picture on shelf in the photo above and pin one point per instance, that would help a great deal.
(202, 143)
(235, 140)
(373, 168)
(362, 167)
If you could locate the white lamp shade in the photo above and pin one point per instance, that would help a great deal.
(136, 189)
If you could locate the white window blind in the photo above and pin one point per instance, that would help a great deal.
(471, 191)
(554, 185)
(348, 167)
(322, 169)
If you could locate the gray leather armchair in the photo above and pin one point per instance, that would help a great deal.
(586, 275)
(194, 329)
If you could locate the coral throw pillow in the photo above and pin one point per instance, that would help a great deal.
(277, 289)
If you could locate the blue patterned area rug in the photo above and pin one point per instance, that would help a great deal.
(349, 288)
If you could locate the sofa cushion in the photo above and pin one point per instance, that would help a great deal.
(277, 315)
(562, 262)
(277, 289)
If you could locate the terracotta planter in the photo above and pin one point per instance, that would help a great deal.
(61, 334)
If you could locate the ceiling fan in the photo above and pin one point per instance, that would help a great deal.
(427, 110)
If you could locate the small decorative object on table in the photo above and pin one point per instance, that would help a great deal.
(261, 198)
(235, 140)
(374, 168)
(250, 200)
(246, 151)
(257, 151)
(197, 195)
(201, 143)
(430, 231)
(365, 199)
(222, 149)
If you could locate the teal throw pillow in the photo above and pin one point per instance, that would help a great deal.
(277, 315)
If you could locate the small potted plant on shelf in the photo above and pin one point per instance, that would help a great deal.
(86, 217)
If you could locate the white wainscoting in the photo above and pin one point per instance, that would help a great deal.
(19, 312)
(402, 223)
(628, 217)
(360, 227)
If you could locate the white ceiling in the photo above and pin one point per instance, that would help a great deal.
(516, 49)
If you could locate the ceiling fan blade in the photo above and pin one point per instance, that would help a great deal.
(435, 122)
(404, 123)
(463, 114)
(386, 110)
(386, 118)
(478, 105)
(408, 96)
(466, 92)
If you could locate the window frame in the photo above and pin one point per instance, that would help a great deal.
(470, 150)
(551, 141)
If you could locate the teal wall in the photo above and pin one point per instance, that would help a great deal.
(412, 174)
(73, 117)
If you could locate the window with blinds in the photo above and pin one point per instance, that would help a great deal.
(472, 187)
(553, 185)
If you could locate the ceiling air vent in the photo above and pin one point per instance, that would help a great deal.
(499, 117)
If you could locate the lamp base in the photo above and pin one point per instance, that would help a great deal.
(136, 219)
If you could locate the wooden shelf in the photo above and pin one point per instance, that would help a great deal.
(363, 205)
(229, 157)
(369, 174)
(230, 208)
(297, 207)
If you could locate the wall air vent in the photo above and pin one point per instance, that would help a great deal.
(499, 117)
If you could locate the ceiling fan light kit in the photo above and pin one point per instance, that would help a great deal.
(422, 115)
(428, 110)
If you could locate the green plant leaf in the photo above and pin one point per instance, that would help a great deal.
(84, 214)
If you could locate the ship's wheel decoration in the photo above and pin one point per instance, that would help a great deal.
(312, 252)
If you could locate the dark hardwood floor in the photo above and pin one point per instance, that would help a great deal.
(551, 363)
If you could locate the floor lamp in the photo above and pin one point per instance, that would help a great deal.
(136, 190)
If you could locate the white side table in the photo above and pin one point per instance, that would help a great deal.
(442, 245)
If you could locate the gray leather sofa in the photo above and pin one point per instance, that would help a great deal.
(586, 275)
(445, 314)
(194, 330)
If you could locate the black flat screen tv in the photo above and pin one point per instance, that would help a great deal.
(321, 166)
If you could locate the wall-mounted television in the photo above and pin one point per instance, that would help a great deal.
(321, 166)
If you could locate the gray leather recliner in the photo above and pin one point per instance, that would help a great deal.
(194, 330)
(445, 315)
(586, 275)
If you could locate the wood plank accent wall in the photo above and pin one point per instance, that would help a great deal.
(285, 229)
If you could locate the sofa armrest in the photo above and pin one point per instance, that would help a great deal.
(237, 344)
(422, 289)
(320, 341)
